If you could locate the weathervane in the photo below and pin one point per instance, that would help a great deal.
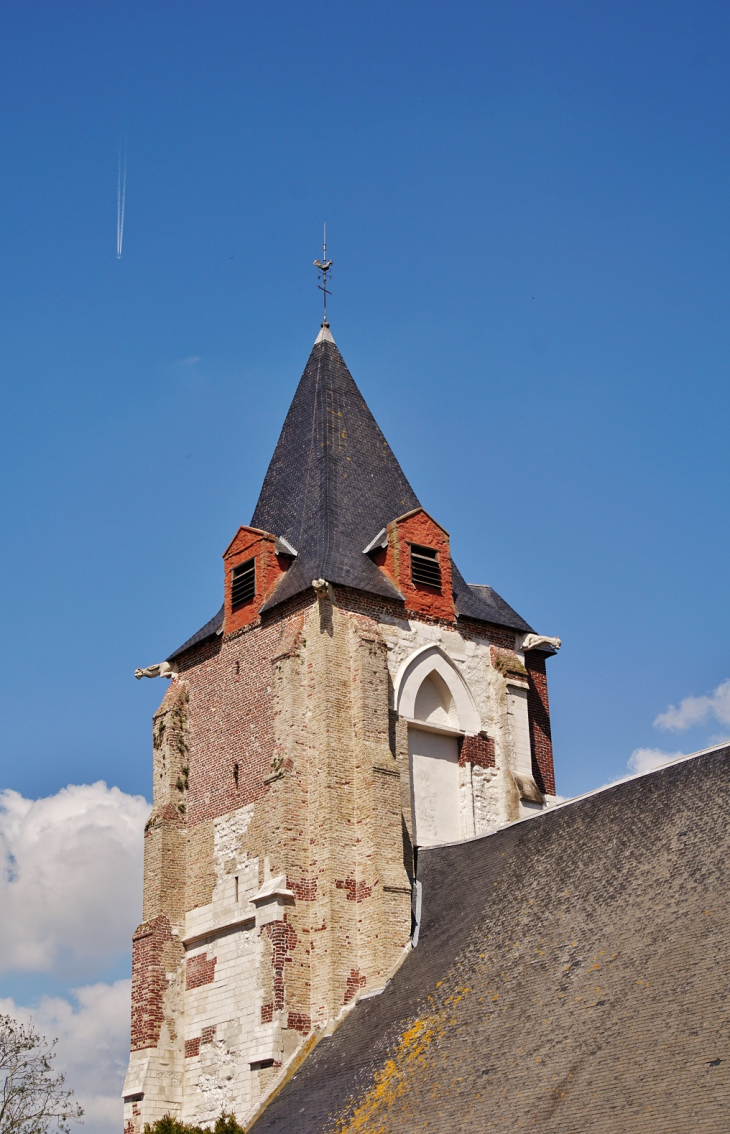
(324, 266)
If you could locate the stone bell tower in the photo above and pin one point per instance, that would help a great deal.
(353, 698)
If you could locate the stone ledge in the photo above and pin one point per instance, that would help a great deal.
(248, 922)
(527, 788)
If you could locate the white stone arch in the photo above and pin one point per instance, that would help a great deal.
(427, 661)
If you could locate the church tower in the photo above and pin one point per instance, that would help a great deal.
(353, 699)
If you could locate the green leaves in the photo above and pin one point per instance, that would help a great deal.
(226, 1124)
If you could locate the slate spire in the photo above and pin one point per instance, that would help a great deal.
(333, 481)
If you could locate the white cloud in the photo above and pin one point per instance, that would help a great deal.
(694, 710)
(193, 360)
(647, 759)
(70, 877)
(93, 1046)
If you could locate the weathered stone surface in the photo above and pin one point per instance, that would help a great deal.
(280, 751)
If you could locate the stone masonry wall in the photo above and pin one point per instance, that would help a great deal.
(278, 755)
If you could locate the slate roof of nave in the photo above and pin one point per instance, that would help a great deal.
(570, 975)
(332, 484)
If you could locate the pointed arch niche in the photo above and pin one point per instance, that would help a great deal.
(432, 696)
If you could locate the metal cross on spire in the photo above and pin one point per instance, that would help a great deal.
(324, 266)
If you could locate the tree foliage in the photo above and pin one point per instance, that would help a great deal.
(33, 1099)
(226, 1124)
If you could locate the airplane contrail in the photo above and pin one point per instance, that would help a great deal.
(121, 194)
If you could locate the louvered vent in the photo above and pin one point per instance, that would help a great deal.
(425, 566)
(243, 584)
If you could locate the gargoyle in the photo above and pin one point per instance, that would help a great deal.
(534, 641)
(162, 669)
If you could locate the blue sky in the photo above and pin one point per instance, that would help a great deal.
(528, 213)
(527, 207)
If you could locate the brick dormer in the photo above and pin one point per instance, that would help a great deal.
(417, 557)
(254, 562)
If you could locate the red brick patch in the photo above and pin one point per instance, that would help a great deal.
(283, 939)
(199, 970)
(148, 980)
(305, 889)
(356, 891)
(354, 983)
(478, 750)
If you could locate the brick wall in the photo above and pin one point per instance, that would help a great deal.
(154, 953)
(232, 728)
(199, 970)
(477, 750)
(250, 543)
(292, 716)
(288, 719)
(539, 711)
(417, 527)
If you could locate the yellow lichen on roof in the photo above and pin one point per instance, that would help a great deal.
(391, 1082)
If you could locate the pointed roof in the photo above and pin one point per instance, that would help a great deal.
(333, 481)
(332, 485)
